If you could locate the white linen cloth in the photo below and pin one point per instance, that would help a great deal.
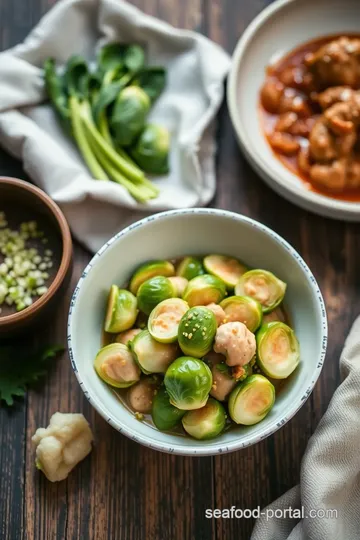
(29, 129)
(330, 470)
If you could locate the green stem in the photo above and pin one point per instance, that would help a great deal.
(83, 144)
(146, 181)
(139, 193)
(104, 128)
(125, 167)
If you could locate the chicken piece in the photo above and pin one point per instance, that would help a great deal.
(236, 342)
(289, 122)
(219, 313)
(62, 445)
(284, 143)
(335, 94)
(223, 382)
(353, 174)
(331, 176)
(304, 159)
(297, 77)
(271, 94)
(274, 316)
(141, 395)
(276, 98)
(127, 336)
(322, 142)
(343, 118)
(336, 63)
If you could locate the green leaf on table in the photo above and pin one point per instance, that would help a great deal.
(18, 369)
(152, 80)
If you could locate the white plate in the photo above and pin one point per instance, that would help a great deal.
(277, 30)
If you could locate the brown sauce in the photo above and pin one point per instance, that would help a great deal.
(295, 58)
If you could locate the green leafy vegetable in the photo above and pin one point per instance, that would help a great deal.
(129, 115)
(151, 151)
(152, 80)
(18, 369)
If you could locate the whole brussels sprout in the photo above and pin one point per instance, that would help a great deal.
(152, 356)
(164, 415)
(207, 422)
(188, 382)
(149, 270)
(197, 331)
(121, 310)
(189, 268)
(228, 269)
(129, 114)
(151, 150)
(116, 366)
(251, 400)
(262, 285)
(204, 290)
(278, 350)
(243, 309)
(153, 291)
(164, 319)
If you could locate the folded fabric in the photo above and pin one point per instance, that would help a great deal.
(30, 131)
(328, 497)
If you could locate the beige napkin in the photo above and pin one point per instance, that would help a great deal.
(330, 470)
(29, 130)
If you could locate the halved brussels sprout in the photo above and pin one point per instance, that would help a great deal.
(190, 267)
(152, 356)
(127, 336)
(197, 331)
(243, 309)
(121, 310)
(188, 382)
(278, 350)
(151, 149)
(228, 269)
(149, 270)
(141, 395)
(262, 285)
(223, 382)
(164, 415)
(203, 290)
(164, 319)
(207, 422)
(251, 400)
(180, 284)
(116, 366)
(153, 291)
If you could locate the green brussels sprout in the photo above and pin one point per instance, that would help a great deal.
(228, 269)
(204, 290)
(151, 150)
(189, 268)
(251, 400)
(127, 336)
(207, 422)
(197, 331)
(164, 319)
(278, 350)
(121, 310)
(262, 285)
(129, 114)
(223, 382)
(149, 270)
(152, 356)
(180, 284)
(164, 415)
(188, 382)
(116, 366)
(153, 291)
(140, 396)
(243, 309)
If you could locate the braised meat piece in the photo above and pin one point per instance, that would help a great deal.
(277, 98)
(336, 63)
(336, 94)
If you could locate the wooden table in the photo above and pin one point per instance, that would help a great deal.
(123, 490)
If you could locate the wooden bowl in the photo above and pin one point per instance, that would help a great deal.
(21, 202)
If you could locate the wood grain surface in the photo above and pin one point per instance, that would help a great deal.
(123, 490)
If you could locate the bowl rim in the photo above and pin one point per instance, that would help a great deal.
(296, 193)
(211, 448)
(17, 318)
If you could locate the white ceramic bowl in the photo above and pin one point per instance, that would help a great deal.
(183, 232)
(278, 29)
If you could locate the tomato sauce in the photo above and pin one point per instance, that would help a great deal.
(295, 58)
